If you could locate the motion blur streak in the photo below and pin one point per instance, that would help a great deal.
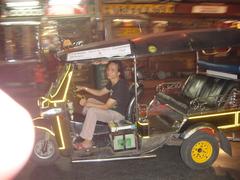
(16, 137)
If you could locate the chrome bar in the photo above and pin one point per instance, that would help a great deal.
(116, 158)
(197, 58)
(136, 87)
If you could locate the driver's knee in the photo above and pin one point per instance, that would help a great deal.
(91, 100)
(92, 110)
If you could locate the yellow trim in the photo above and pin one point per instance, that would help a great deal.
(237, 118)
(46, 129)
(143, 123)
(40, 117)
(213, 115)
(228, 126)
(236, 122)
(65, 92)
(201, 152)
(68, 84)
(60, 131)
(45, 101)
(59, 87)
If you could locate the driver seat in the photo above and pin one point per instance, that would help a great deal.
(130, 115)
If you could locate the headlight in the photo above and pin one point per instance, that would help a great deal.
(51, 112)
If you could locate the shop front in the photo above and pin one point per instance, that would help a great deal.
(68, 24)
(31, 32)
(137, 17)
(133, 19)
(20, 46)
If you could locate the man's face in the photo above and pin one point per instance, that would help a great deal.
(112, 71)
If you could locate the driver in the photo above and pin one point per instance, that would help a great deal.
(112, 110)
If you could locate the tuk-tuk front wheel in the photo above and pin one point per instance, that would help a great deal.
(199, 151)
(45, 150)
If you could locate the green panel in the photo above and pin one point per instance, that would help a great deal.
(130, 141)
(118, 143)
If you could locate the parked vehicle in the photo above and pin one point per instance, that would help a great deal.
(195, 118)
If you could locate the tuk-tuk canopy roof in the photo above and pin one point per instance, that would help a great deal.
(156, 44)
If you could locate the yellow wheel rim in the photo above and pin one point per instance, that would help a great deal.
(201, 152)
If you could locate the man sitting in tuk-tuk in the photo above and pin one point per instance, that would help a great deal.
(114, 109)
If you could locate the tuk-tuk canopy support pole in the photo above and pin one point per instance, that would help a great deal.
(197, 59)
(135, 86)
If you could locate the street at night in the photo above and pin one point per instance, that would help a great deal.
(167, 166)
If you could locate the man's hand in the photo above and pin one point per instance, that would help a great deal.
(83, 102)
(111, 103)
(80, 96)
(81, 88)
(95, 92)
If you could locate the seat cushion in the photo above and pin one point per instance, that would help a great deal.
(194, 85)
(216, 90)
(178, 102)
(209, 91)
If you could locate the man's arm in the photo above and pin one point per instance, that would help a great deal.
(111, 103)
(94, 92)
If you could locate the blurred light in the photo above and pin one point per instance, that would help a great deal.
(20, 23)
(163, 23)
(60, 10)
(22, 4)
(64, 2)
(11, 60)
(16, 136)
(126, 20)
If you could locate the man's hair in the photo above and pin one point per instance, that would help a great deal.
(120, 68)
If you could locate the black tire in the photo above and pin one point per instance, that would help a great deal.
(199, 151)
(45, 150)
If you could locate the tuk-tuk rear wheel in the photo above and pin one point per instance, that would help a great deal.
(200, 150)
(45, 150)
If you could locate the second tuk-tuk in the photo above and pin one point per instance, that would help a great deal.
(195, 117)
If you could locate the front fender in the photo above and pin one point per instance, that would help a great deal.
(43, 124)
(212, 130)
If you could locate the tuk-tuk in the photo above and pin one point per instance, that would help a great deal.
(194, 115)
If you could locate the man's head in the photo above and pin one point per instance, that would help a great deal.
(115, 70)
